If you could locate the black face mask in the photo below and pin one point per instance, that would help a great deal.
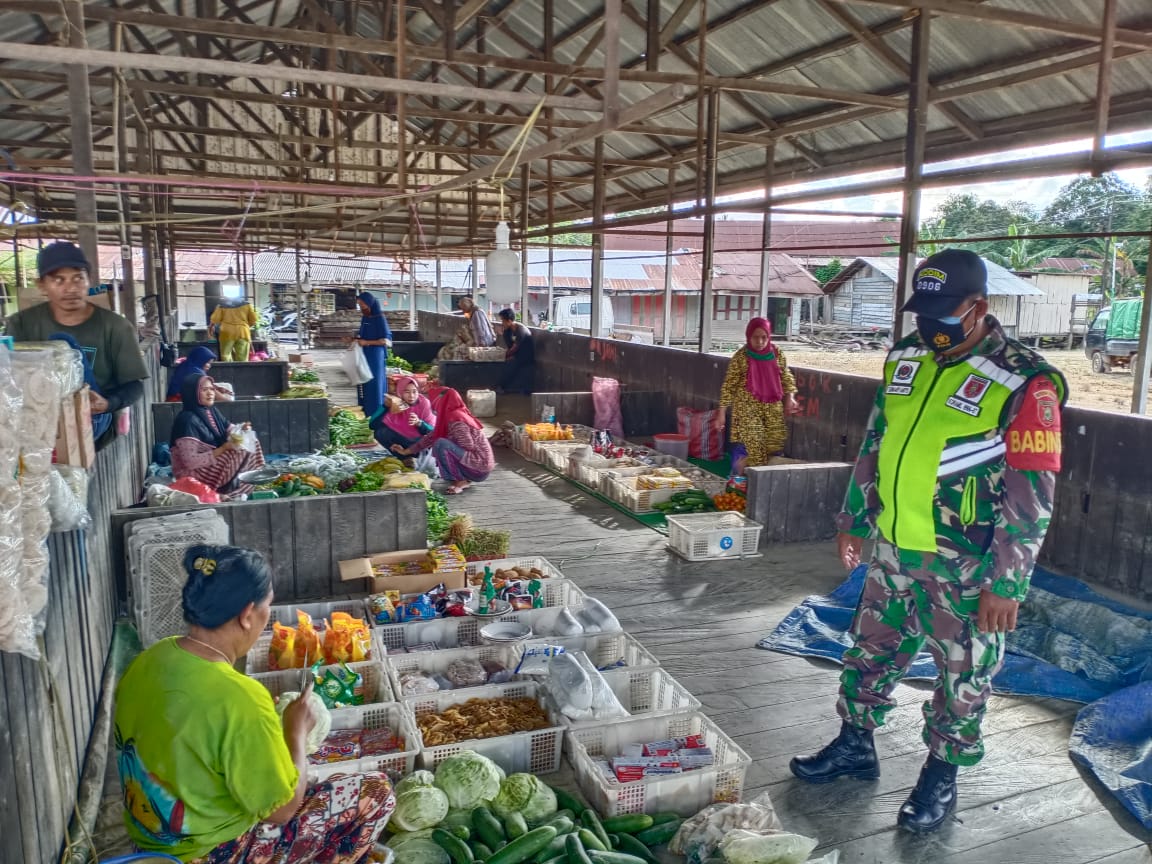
(944, 334)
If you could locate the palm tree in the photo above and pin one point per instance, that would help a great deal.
(1021, 252)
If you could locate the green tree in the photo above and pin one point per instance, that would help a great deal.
(965, 215)
(1097, 204)
(828, 272)
(1022, 253)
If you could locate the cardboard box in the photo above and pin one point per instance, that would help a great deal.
(303, 359)
(83, 410)
(416, 583)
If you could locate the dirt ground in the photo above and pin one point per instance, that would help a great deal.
(1111, 392)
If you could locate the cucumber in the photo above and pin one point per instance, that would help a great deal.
(627, 824)
(523, 848)
(562, 824)
(480, 851)
(592, 823)
(661, 818)
(614, 858)
(566, 814)
(456, 848)
(515, 826)
(559, 859)
(629, 845)
(575, 850)
(552, 850)
(487, 827)
(658, 834)
(461, 831)
(590, 841)
(614, 839)
(568, 801)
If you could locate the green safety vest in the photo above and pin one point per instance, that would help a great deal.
(943, 449)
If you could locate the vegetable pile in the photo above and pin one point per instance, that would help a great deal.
(492, 819)
(303, 376)
(346, 428)
(688, 501)
(439, 519)
(730, 501)
(397, 362)
(305, 391)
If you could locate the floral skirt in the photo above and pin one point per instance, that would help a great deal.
(338, 823)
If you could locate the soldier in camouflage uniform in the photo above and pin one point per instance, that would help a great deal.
(955, 481)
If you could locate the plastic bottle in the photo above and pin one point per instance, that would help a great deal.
(487, 592)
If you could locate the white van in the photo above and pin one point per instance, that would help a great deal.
(574, 313)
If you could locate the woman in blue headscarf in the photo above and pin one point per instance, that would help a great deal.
(198, 362)
(375, 337)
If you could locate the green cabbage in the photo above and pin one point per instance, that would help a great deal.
(323, 716)
(527, 795)
(419, 807)
(418, 850)
(468, 779)
(416, 778)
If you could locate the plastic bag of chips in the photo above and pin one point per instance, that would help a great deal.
(307, 645)
(346, 639)
(282, 651)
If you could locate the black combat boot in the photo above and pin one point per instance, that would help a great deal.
(933, 799)
(852, 754)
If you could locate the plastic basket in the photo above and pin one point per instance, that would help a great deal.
(686, 794)
(554, 454)
(437, 663)
(462, 632)
(535, 752)
(709, 536)
(550, 570)
(391, 715)
(376, 688)
(606, 651)
(286, 613)
(645, 692)
(257, 659)
(638, 500)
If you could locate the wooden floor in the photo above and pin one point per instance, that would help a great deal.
(1026, 802)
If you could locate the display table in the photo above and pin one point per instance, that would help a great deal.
(282, 425)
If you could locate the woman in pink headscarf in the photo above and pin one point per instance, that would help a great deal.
(760, 390)
(408, 419)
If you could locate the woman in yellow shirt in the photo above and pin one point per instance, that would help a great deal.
(233, 321)
(209, 772)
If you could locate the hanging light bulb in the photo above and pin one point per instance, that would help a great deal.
(502, 270)
(231, 286)
(306, 285)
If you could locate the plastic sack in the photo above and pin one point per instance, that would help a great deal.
(466, 672)
(606, 405)
(705, 431)
(768, 847)
(203, 493)
(581, 691)
(17, 627)
(699, 837)
(163, 495)
(67, 498)
(355, 365)
(244, 438)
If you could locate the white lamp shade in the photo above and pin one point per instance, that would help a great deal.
(231, 288)
(502, 276)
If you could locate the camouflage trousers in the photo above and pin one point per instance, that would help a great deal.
(911, 598)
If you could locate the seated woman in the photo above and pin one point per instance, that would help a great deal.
(198, 362)
(209, 772)
(409, 417)
(458, 444)
(476, 332)
(201, 445)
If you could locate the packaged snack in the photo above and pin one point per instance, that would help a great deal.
(417, 683)
(346, 639)
(520, 602)
(307, 645)
(466, 672)
(282, 651)
(341, 687)
(339, 746)
(420, 608)
(382, 608)
(422, 646)
(376, 742)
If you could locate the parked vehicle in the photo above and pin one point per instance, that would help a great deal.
(1113, 337)
(574, 313)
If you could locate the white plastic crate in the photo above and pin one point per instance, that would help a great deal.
(257, 659)
(686, 794)
(708, 536)
(554, 454)
(645, 692)
(557, 594)
(623, 492)
(536, 752)
(550, 570)
(604, 650)
(391, 715)
(437, 663)
(481, 403)
(375, 689)
(286, 613)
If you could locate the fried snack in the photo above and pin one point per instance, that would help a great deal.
(482, 718)
(282, 651)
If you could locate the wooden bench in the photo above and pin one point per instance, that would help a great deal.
(797, 501)
(282, 425)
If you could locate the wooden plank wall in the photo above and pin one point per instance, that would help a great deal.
(637, 410)
(1102, 525)
(35, 801)
(282, 425)
(269, 378)
(797, 502)
(304, 538)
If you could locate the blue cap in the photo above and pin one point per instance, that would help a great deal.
(61, 254)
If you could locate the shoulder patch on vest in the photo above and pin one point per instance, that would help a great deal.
(1033, 438)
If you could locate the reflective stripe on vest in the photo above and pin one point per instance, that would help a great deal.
(940, 420)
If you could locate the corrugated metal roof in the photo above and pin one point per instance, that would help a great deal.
(1001, 282)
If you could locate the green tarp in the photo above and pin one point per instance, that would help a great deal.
(1125, 320)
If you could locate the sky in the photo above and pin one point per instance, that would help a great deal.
(1037, 191)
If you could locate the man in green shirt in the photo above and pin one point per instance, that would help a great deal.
(108, 341)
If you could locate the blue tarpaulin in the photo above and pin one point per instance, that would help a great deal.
(1069, 643)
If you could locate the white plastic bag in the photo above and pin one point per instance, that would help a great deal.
(68, 494)
(355, 365)
(245, 438)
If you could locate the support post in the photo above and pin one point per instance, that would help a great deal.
(669, 247)
(913, 166)
(412, 292)
(707, 264)
(1143, 365)
(525, 312)
(611, 49)
(1104, 83)
(766, 233)
(439, 287)
(79, 106)
(652, 51)
(597, 241)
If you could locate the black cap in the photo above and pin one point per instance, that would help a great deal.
(61, 254)
(943, 280)
(507, 314)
